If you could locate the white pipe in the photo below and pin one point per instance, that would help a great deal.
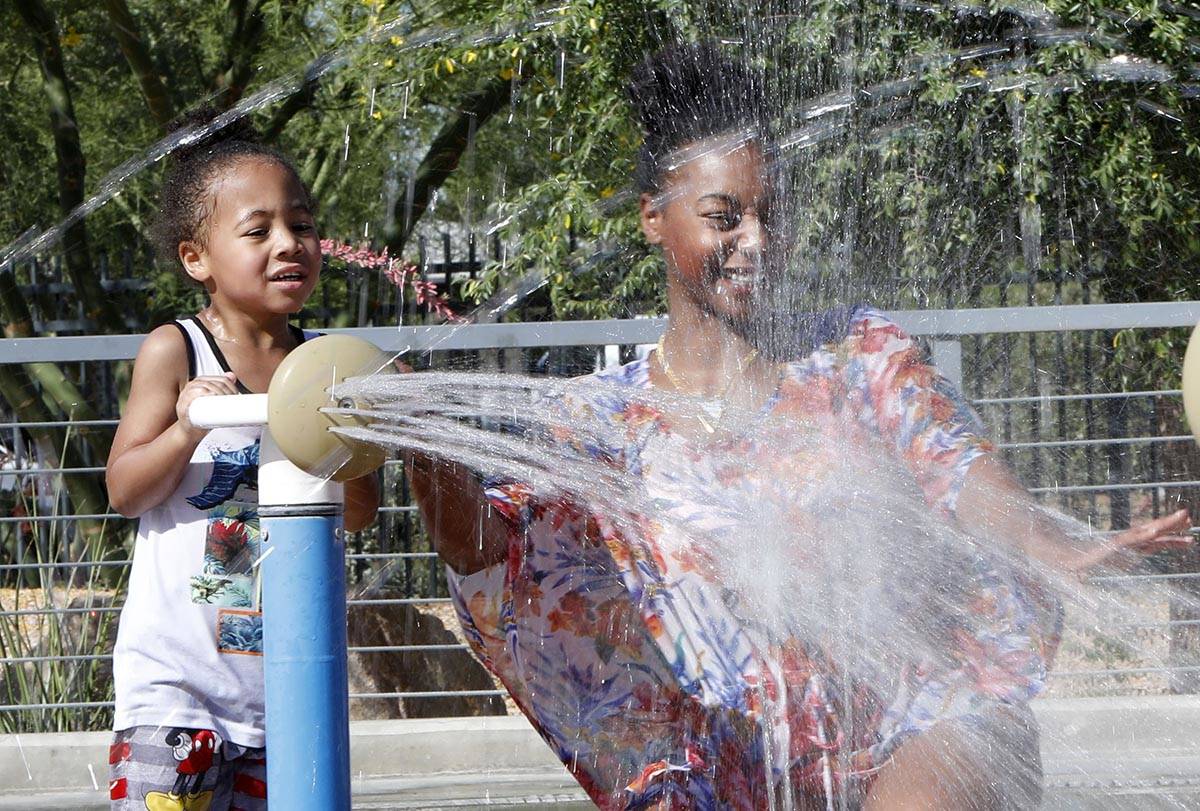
(228, 411)
(281, 483)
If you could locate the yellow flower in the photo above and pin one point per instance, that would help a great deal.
(567, 221)
(470, 56)
(72, 38)
(593, 24)
(397, 41)
(377, 115)
(978, 73)
(389, 63)
(449, 63)
(607, 192)
(506, 73)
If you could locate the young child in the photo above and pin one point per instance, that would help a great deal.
(187, 664)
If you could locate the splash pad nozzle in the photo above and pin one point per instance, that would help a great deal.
(1191, 382)
(302, 465)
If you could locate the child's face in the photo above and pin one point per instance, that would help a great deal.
(710, 221)
(262, 254)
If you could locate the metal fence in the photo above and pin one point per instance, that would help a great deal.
(1041, 377)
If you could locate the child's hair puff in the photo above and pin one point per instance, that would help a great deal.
(186, 203)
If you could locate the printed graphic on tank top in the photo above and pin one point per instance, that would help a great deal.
(232, 546)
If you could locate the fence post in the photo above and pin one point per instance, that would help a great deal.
(947, 358)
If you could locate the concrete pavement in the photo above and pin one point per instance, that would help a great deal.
(1108, 753)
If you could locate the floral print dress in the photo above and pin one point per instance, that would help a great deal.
(642, 647)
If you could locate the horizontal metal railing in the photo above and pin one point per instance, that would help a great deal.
(950, 324)
(948, 332)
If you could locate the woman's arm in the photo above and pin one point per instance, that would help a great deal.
(467, 534)
(993, 504)
(155, 440)
(362, 502)
(941, 438)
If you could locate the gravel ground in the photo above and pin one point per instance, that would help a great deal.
(1094, 639)
(446, 613)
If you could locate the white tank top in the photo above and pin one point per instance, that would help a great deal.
(189, 647)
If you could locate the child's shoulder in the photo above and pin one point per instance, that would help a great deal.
(165, 348)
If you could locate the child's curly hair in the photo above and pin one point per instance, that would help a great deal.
(186, 202)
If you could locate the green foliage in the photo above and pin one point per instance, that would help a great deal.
(940, 172)
(993, 165)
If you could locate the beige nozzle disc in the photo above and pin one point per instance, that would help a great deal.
(300, 389)
(1191, 382)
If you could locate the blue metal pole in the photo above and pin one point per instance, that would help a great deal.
(304, 639)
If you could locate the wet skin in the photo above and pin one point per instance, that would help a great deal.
(261, 255)
(710, 220)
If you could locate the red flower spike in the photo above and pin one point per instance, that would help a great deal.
(397, 271)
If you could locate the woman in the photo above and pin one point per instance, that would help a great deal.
(619, 636)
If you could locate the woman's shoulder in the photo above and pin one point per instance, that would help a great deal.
(797, 336)
(635, 373)
(592, 405)
(878, 340)
(606, 393)
(851, 338)
(867, 319)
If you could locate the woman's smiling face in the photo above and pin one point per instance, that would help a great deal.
(711, 221)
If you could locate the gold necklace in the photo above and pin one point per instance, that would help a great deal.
(713, 404)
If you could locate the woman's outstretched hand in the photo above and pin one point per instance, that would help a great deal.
(1122, 551)
(995, 505)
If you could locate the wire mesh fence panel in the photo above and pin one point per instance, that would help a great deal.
(1053, 400)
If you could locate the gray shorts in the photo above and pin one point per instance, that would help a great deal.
(161, 768)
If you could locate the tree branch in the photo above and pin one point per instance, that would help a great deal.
(61, 389)
(320, 178)
(444, 154)
(130, 39)
(293, 104)
(72, 167)
(238, 66)
(85, 493)
(302, 99)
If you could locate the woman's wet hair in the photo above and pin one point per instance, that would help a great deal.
(687, 93)
(186, 202)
